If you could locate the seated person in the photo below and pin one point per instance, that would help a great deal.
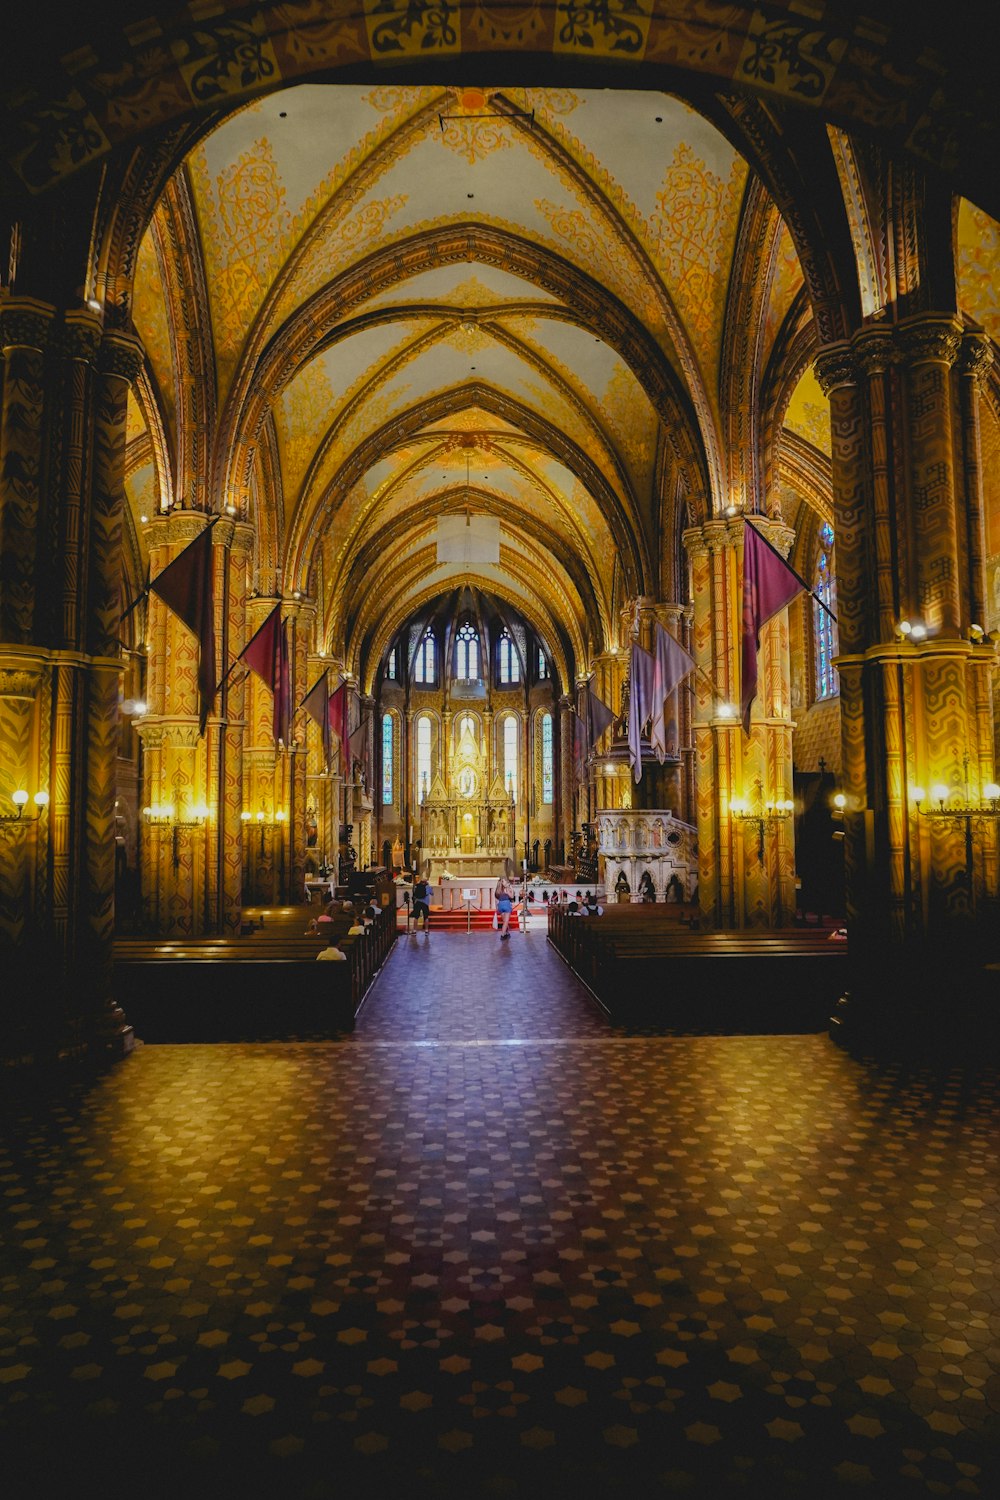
(590, 906)
(572, 908)
(357, 929)
(332, 952)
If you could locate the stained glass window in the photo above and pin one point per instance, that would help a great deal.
(467, 654)
(543, 666)
(824, 627)
(510, 755)
(548, 778)
(423, 757)
(425, 661)
(391, 669)
(509, 667)
(387, 767)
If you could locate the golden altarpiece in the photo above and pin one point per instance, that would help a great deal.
(467, 825)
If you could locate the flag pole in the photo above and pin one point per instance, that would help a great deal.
(812, 594)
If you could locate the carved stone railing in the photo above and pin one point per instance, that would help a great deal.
(652, 840)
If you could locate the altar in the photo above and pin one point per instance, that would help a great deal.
(464, 868)
(467, 821)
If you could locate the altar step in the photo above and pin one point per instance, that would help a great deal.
(482, 921)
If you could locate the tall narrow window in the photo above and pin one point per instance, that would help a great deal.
(467, 654)
(387, 766)
(543, 666)
(510, 756)
(423, 757)
(548, 774)
(391, 666)
(508, 665)
(466, 725)
(425, 661)
(824, 628)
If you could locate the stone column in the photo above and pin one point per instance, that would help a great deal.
(746, 874)
(62, 443)
(227, 728)
(567, 790)
(176, 864)
(915, 676)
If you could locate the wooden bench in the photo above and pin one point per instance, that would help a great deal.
(268, 983)
(642, 967)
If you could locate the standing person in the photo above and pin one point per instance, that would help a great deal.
(422, 903)
(504, 897)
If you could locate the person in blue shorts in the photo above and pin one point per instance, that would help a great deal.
(504, 897)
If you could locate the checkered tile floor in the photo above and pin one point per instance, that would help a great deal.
(492, 1246)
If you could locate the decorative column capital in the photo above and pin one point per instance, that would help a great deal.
(78, 336)
(25, 323)
(121, 354)
(19, 682)
(777, 533)
(975, 357)
(928, 339)
(835, 367)
(875, 350)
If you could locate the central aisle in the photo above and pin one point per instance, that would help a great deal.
(471, 986)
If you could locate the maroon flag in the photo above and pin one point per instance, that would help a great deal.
(185, 586)
(673, 664)
(316, 704)
(266, 654)
(337, 712)
(769, 584)
(641, 677)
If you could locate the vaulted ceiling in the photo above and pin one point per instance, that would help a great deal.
(367, 306)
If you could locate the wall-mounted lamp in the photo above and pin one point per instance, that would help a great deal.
(969, 810)
(164, 815)
(20, 801)
(764, 816)
(911, 630)
(839, 808)
(726, 711)
(261, 821)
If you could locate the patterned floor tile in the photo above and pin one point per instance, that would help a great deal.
(492, 1245)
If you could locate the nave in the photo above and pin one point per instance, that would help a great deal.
(492, 1245)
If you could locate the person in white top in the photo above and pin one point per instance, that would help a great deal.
(332, 952)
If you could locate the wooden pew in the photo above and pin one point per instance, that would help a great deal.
(643, 968)
(266, 984)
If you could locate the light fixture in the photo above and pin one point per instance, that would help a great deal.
(20, 801)
(763, 815)
(726, 711)
(164, 815)
(968, 811)
(262, 822)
